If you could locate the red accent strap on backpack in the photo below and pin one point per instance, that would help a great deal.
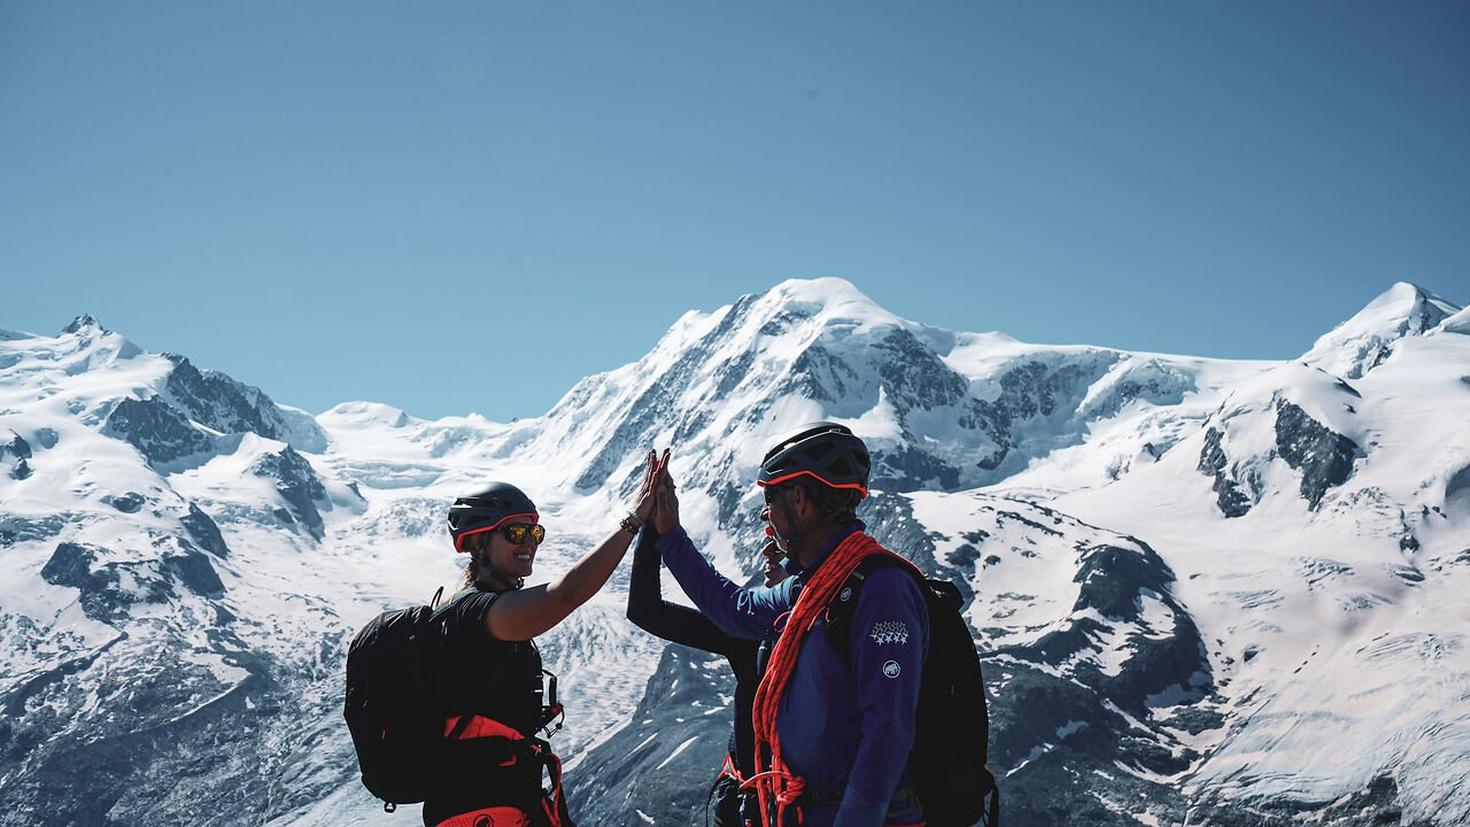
(478, 726)
(775, 784)
(496, 816)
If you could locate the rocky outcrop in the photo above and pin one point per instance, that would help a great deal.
(1214, 463)
(104, 594)
(195, 572)
(1377, 803)
(109, 589)
(217, 401)
(20, 449)
(16, 447)
(159, 432)
(203, 531)
(1324, 457)
(298, 485)
(128, 503)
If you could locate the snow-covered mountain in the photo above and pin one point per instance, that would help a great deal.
(1206, 591)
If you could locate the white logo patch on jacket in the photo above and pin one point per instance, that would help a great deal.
(889, 631)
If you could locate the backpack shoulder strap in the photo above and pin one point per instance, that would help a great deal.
(438, 613)
(840, 611)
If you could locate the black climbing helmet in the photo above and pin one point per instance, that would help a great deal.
(824, 451)
(487, 510)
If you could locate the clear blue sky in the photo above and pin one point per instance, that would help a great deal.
(460, 206)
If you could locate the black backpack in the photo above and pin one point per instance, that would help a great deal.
(390, 709)
(953, 727)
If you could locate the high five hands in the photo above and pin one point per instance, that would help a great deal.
(656, 497)
(647, 501)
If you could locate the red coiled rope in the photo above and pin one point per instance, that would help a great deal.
(775, 783)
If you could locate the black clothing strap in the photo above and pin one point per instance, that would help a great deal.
(688, 627)
(656, 616)
(459, 596)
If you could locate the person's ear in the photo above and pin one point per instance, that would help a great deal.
(801, 504)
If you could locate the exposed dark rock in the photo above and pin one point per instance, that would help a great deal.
(16, 447)
(890, 518)
(1151, 380)
(47, 437)
(1376, 804)
(1459, 482)
(165, 755)
(914, 375)
(203, 530)
(86, 320)
(220, 402)
(297, 483)
(72, 565)
(965, 557)
(1034, 388)
(819, 374)
(1114, 583)
(1213, 462)
(19, 448)
(908, 469)
(1317, 570)
(1029, 523)
(1323, 456)
(1113, 578)
(158, 431)
(195, 572)
(1057, 737)
(128, 503)
(104, 595)
(17, 529)
(15, 701)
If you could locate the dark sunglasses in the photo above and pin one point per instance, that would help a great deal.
(517, 533)
(775, 492)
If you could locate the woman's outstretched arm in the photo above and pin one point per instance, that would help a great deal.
(526, 613)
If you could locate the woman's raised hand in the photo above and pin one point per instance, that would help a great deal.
(666, 518)
(647, 492)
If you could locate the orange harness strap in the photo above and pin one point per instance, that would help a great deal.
(479, 726)
(776, 786)
(729, 770)
(488, 817)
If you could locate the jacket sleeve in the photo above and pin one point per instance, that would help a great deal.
(744, 613)
(651, 613)
(890, 639)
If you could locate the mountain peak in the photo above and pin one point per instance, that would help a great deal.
(825, 290)
(1362, 342)
(827, 299)
(359, 414)
(84, 321)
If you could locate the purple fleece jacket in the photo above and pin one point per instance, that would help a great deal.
(847, 726)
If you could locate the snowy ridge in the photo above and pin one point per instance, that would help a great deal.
(1183, 571)
(1365, 341)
